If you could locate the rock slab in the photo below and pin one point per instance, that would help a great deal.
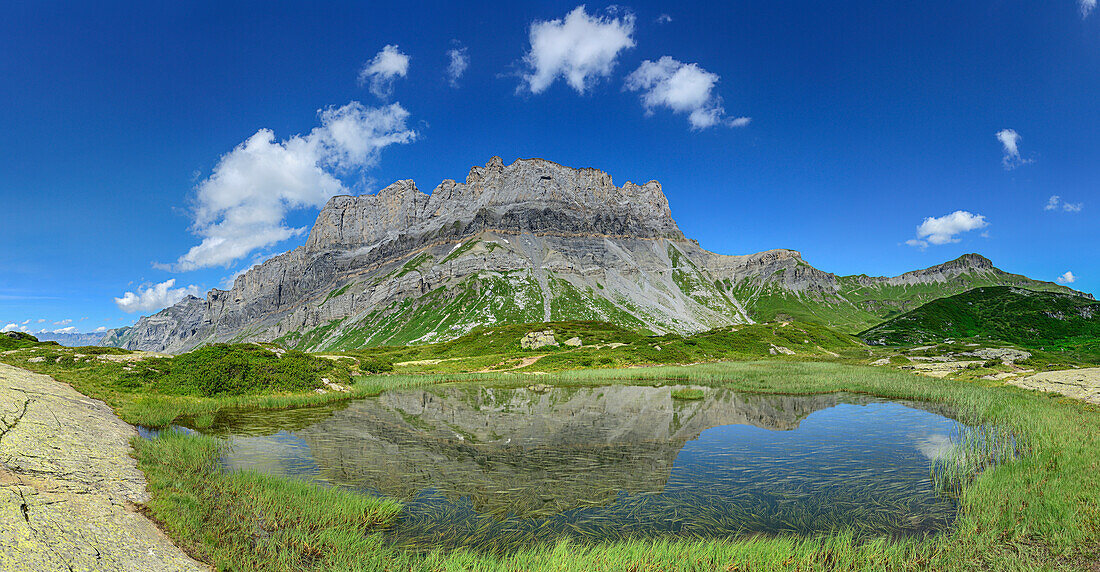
(1083, 384)
(69, 488)
(536, 340)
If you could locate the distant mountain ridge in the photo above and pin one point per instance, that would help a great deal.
(533, 241)
(1003, 313)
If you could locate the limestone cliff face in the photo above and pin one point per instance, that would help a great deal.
(531, 241)
(528, 196)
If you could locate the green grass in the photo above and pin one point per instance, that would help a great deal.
(221, 370)
(484, 348)
(858, 304)
(285, 524)
(337, 292)
(194, 386)
(687, 394)
(17, 340)
(1029, 319)
(1037, 512)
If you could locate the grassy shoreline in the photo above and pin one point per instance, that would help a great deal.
(1039, 512)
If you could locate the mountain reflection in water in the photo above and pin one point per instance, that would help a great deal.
(498, 468)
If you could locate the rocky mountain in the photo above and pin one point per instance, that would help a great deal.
(532, 241)
(75, 339)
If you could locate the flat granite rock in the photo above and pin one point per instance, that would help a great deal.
(69, 488)
(1083, 383)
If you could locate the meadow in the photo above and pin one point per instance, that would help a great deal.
(1038, 511)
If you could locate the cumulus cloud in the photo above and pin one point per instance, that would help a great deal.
(68, 330)
(101, 329)
(460, 60)
(150, 298)
(1010, 142)
(581, 49)
(664, 19)
(683, 88)
(64, 322)
(1086, 7)
(944, 229)
(242, 206)
(13, 328)
(1067, 278)
(1056, 203)
(381, 71)
(27, 321)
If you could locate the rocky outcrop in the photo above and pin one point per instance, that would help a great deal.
(1083, 383)
(536, 340)
(532, 241)
(169, 328)
(69, 486)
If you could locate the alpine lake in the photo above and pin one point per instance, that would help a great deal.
(498, 469)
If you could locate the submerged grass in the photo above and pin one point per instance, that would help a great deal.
(687, 394)
(1035, 512)
(972, 451)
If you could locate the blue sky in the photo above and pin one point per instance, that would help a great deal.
(832, 128)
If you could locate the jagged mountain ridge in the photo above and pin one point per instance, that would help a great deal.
(531, 241)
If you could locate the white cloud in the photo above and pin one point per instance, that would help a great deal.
(63, 322)
(683, 88)
(664, 19)
(380, 72)
(40, 320)
(460, 60)
(1010, 141)
(25, 322)
(581, 49)
(101, 329)
(150, 298)
(943, 230)
(10, 328)
(68, 330)
(1086, 7)
(1056, 203)
(1067, 278)
(241, 207)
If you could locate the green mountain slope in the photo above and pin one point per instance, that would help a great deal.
(1019, 316)
(602, 344)
(854, 303)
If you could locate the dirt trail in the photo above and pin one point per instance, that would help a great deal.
(522, 363)
(69, 488)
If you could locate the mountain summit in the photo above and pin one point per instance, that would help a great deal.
(532, 241)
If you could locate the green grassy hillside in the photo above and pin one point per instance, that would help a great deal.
(1026, 318)
(603, 344)
(16, 340)
(860, 303)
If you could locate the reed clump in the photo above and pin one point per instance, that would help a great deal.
(687, 394)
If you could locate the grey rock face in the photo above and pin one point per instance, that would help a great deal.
(536, 340)
(533, 241)
(68, 484)
(169, 328)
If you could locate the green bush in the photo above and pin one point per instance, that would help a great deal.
(687, 394)
(233, 369)
(375, 365)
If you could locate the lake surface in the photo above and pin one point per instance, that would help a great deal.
(499, 468)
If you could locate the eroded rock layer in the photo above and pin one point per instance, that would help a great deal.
(533, 241)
